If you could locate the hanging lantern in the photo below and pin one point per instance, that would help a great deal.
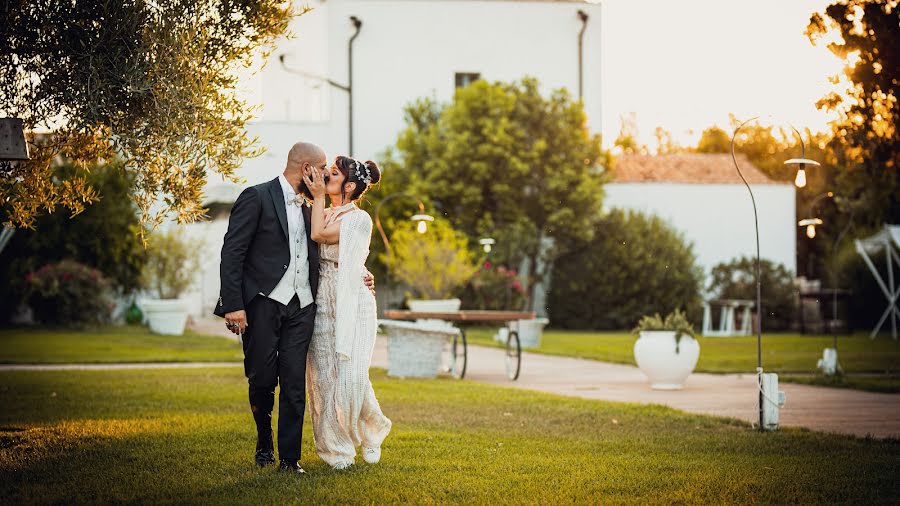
(422, 222)
(12, 140)
(486, 243)
(810, 224)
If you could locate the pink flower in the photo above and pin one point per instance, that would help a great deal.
(513, 272)
(487, 265)
(501, 269)
(29, 277)
(517, 286)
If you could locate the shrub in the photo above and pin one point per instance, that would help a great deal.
(632, 265)
(171, 263)
(737, 280)
(68, 293)
(435, 264)
(495, 288)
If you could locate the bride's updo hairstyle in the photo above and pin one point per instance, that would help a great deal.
(365, 175)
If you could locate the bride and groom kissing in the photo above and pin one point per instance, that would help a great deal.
(295, 287)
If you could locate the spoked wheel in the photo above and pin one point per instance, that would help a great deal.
(458, 355)
(513, 355)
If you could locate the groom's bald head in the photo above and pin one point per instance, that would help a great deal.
(305, 152)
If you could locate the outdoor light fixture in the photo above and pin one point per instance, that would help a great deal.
(770, 398)
(810, 224)
(486, 243)
(801, 163)
(13, 147)
(422, 220)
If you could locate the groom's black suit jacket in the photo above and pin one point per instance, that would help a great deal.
(256, 252)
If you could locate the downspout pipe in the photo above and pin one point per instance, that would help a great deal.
(357, 23)
(584, 20)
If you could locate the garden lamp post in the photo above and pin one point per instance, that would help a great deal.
(13, 148)
(421, 220)
(801, 163)
(486, 243)
(767, 384)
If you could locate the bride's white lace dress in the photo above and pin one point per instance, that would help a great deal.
(345, 413)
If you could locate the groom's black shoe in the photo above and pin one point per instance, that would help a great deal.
(292, 467)
(265, 458)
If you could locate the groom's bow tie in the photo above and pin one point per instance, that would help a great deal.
(296, 200)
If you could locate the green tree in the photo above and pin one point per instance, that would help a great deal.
(633, 265)
(864, 33)
(714, 140)
(149, 82)
(102, 237)
(503, 161)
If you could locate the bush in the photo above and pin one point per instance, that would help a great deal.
(495, 288)
(737, 280)
(69, 294)
(632, 265)
(435, 264)
(171, 263)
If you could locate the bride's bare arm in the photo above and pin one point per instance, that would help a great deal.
(320, 233)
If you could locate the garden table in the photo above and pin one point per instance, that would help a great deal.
(458, 348)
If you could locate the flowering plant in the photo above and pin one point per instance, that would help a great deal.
(68, 293)
(495, 288)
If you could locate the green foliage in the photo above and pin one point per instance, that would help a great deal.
(68, 294)
(102, 236)
(631, 265)
(151, 82)
(714, 140)
(737, 280)
(494, 287)
(172, 260)
(864, 33)
(676, 320)
(504, 161)
(435, 264)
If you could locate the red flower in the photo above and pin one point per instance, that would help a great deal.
(517, 286)
(487, 265)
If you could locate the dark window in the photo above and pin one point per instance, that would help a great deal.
(464, 79)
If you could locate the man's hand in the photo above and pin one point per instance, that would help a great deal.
(369, 279)
(236, 321)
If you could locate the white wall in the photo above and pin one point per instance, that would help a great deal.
(408, 49)
(718, 218)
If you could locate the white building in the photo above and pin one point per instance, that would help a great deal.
(404, 50)
(703, 197)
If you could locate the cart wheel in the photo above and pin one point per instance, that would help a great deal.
(513, 356)
(458, 355)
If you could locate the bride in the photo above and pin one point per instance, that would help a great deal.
(345, 413)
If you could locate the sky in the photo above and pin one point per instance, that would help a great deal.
(685, 64)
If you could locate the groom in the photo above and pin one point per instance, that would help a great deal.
(269, 280)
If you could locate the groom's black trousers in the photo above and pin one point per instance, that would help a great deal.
(276, 343)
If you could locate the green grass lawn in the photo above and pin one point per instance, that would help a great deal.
(112, 344)
(184, 436)
(782, 353)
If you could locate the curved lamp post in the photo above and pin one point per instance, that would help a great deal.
(801, 163)
(801, 178)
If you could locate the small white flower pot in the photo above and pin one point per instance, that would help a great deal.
(434, 305)
(530, 332)
(654, 352)
(165, 316)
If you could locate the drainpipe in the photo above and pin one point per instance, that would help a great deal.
(357, 23)
(584, 20)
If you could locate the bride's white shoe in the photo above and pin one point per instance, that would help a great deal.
(372, 455)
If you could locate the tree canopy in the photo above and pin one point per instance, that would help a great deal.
(150, 83)
(504, 161)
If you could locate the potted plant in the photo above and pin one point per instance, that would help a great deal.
(168, 273)
(435, 265)
(666, 350)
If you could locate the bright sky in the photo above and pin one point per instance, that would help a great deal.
(685, 64)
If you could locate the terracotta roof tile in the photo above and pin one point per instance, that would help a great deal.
(699, 168)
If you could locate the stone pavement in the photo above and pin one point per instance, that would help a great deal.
(838, 410)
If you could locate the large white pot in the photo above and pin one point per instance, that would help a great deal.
(530, 332)
(166, 316)
(414, 350)
(655, 355)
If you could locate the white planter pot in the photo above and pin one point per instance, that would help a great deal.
(530, 332)
(165, 316)
(655, 355)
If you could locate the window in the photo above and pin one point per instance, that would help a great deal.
(464, 79)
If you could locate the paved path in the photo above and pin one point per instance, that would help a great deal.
(732, 395)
